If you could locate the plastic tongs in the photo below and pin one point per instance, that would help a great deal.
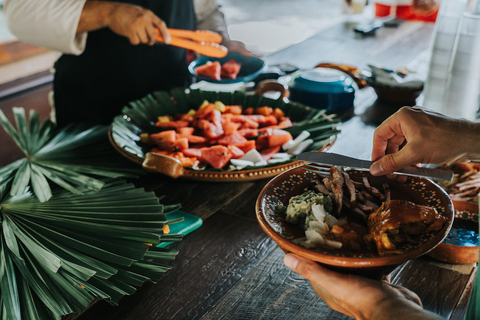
(204, 42)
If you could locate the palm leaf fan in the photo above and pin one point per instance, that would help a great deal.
(57, 256)
(71, 157)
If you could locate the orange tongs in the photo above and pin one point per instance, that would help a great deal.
(204, 42)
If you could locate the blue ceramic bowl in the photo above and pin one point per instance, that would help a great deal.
(323, 88)
(251, 67)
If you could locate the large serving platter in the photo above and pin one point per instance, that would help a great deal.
(140, 116)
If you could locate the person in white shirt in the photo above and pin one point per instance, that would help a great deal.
(109, 53)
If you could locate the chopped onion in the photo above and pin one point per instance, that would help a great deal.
(253, 156)
(319, 212)
(301, 147)
(331, 220)
(292, 144)
(241, 163)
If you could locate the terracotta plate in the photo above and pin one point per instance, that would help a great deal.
(293, 182)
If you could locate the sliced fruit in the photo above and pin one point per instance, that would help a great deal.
(185, 130)
(230, 69)
(209, 70)
(216, 156)
(205, 112)
(193, 152)
(172, 124)
(266, 111)
(232, 139)
(277, 137)
(235, 151)
(246, 146)
(267, 154)
(212, 132)
(248, 133)
(237, 110)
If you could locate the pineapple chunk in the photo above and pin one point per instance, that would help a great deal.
(204, 104)
(165, 118)
(219, 106)
(191, 112)
(144, 137)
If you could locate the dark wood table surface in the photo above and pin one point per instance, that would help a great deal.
(229, 268)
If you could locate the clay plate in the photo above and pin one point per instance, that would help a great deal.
(466, 216)
(293, 182)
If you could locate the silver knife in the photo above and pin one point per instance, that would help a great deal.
(334, 159)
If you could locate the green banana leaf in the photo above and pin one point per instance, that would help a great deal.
(74, 157)
(56, 257)
(140, 116)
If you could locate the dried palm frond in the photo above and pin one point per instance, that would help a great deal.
(57, 256)
(73, 157)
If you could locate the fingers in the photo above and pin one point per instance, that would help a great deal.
(394, 161)
(162, 29)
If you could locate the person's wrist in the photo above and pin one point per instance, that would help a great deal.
(395, 308)
(472, 141)
(108, 11)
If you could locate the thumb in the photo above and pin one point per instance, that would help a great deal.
(392, 162)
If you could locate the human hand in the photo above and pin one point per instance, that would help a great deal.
(358, 297)
(425, 6)
(237, 46)
(139, 25)
(415, 135)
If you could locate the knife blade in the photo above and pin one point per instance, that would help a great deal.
(334, 159)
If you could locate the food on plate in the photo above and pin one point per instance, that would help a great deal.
(226, 137)
(393, 225)
(344, 214)
(465, 185)
(230, 69)
(213, 70)
(209, 70)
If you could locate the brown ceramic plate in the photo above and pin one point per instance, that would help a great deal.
(139, 117)
(466, 216)
(293, 182)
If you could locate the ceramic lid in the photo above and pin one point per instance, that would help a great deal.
(322, 80)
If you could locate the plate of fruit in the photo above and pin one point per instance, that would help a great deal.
(219, 136)
(231, 69)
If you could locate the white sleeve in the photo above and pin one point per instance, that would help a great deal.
(47, 23)
(209, 17)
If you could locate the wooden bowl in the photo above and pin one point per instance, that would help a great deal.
(293, 182)
(466, 216)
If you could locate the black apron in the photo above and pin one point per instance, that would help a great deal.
(94, 87)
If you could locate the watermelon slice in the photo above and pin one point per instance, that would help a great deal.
(236, 152)
(267, 154)
(233, 138)
(193, 152)
(246, 146)
(216, 156)
(277, 137)
(209, 70)
(230, 69)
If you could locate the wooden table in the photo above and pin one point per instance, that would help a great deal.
(229, 268)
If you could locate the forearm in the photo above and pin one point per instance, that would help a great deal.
(472, 140)
(95, 15)
(402, 310)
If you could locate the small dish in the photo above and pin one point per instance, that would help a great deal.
(466, 217)
(251, 67)
(293, 182)
(395, 95)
